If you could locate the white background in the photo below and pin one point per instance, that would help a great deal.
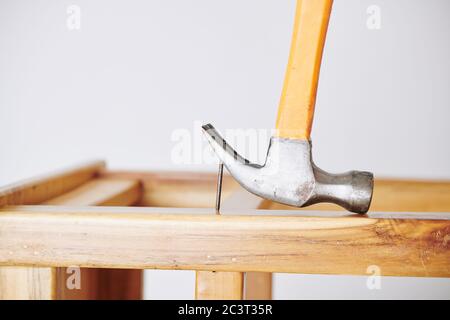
(137, 70)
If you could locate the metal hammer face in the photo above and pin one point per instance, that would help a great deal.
(289, 175)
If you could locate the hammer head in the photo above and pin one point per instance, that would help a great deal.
(289, 175)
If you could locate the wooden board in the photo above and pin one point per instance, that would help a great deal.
(258, 286)
(229, 285)
(177, 189)
(40, 189)
(196, 239)
(95, 283)
(39, 283)
(101, 192)
(211, 285)
(72, 186)
(27, 283)
(409, 240)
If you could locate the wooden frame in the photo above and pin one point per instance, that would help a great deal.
(114, 224)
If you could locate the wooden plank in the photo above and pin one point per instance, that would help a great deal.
(20, 283)
(68, 187)
(39, 283)
(211, 285)
(119, 284)
(88, 279)
(196, 239)
(258, 286)
(185, 189)
(95, 283)
(226, 285)
(242, 199)
(101, 284)
(176, 189)
(40, 189)
(101, 192)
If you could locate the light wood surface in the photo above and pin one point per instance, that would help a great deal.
(196, 239)
(104, 284)
(39, 283)
(71, 187)
(40, 189)
(409, 239)
(258, 286)
(226, 285)
(176, 189)
(211, 285)
(101, 192)
(21, 283)
(296, 110)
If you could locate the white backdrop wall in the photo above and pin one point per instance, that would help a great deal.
(135, 71)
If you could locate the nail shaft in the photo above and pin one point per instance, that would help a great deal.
(219, 187)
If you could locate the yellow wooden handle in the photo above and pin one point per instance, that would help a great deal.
(296, 110)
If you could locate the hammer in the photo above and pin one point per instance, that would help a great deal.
(289, 175)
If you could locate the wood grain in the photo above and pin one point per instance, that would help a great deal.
(404, 241)
(39, 283)
(101, 192)
(258, 286)
(104, 284)
(229, 285)
(196, 239)
(40, 189)
(119, 284)
(20, 283)
(176, 189)
(66, 187)
(211, 285)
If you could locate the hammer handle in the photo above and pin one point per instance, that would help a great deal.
(296, 109)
